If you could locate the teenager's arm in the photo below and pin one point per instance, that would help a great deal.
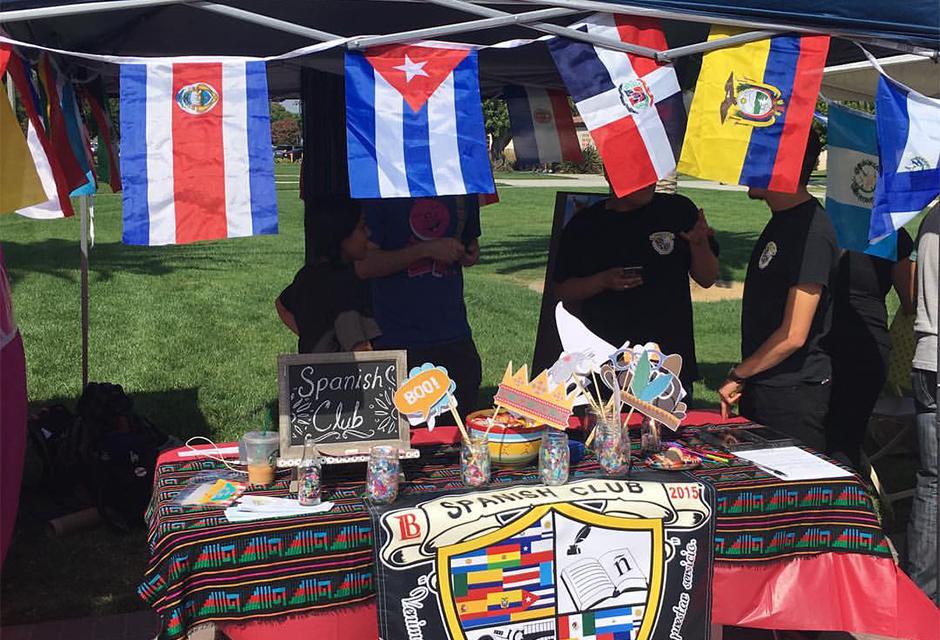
(379, 262)
(904, 283)
(790, 336)
(704, 266)
(286, 316)
(577, 289)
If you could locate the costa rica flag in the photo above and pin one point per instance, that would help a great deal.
(631, 105)
(414, 123)
(196, 156)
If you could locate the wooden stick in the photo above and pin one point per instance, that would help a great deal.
(599, 399)
(492, 421)
(453, 412)
(589, 397)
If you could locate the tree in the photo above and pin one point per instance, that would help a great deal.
(496, 122)
(285, 131)
(278, 112)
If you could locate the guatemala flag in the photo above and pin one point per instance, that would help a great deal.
(632, 105)
(196, 156)
(414, 123)
(542, 127)
(909, 148)
(851, 176)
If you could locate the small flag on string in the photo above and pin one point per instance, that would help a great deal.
(414, 123)
(106, 165)
(55, 183)
(50, 84)
(851, 175)
(908, 125)
(19, 182)
(752, 110)
(542, 126)
(631, 105)
(196, 156)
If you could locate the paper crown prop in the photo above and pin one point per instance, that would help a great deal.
(538, 400)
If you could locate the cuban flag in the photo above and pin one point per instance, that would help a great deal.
(196, 156)
(851, 177)
(414, 123)
(908, 126)
(632, 105)
(542, 126)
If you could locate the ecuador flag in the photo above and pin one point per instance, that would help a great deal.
(752, 110)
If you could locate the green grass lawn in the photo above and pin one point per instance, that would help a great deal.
(191, 333)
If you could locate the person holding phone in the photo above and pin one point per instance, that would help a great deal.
(623, 267)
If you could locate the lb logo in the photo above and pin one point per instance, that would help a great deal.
(542, 116)
(636, 96)
(864, 176)
(197, 98)
(770, 250)
(751, 103)
(663, 242)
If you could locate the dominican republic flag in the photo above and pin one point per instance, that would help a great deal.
(196, 155)
(631, 105)
(908, 126)
(851, 177)
(414, 123)
(542, 126)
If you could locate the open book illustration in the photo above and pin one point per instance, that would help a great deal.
(592, 580)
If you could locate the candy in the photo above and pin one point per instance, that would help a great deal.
(612, 447)
(382, 474)
(554, 457)
(475, 462)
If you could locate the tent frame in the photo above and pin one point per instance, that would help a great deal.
(491, 18)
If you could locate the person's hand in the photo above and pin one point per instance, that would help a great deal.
(472, 256)
(365, 345)
(698, 235)
(445, 250)
(615, 280)
(730, 393)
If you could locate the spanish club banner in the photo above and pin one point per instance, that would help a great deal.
(595, 559)
(752, 110)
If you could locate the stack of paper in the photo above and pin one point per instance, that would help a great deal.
(261, 507)
(792, 463)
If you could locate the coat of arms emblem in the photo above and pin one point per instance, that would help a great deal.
(636, 95)
(558, 572)
(663, 242)
(197, 98)
(752, 103)
(864, 177)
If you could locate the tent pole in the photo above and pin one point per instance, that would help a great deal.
(711, 45)
(554, 29)
(267, 21)
(640, 10)
(461, 27)
(83, 7)
(83, 245)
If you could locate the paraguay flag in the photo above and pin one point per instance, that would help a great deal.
(196, 155)
(542, 126)
(414, 123)
(631, 105)
(752, 110)
(908, 125)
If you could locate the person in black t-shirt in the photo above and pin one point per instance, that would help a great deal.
(783, 378)
(623, 267)
(859, 343)
(327, 305)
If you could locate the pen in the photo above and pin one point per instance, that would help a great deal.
(773, 471)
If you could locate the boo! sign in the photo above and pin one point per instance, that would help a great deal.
(426, 394)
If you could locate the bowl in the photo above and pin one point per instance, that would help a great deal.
(511, 442)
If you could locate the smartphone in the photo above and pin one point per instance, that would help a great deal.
(632, 271)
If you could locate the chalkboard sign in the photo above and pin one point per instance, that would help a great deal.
(344, 400)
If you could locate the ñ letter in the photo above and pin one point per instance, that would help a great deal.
(408, 526)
